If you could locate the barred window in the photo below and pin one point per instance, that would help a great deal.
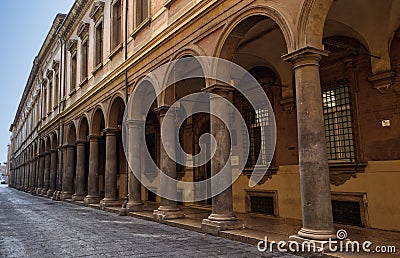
(260, 133)
(338, 120)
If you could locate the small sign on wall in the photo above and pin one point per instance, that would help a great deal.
(386, 123)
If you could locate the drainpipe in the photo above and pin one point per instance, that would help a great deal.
(124, 212)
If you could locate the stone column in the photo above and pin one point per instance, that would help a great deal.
(93, 180)
(135, 145)
(53, 173)
(60, 169)
(68, 178)
(168, 208)
(33, 176)
(110, 187)
(314, 170)
(80, 172)
(46, 180)
(41, 174)
(26, 175)
(222, 216)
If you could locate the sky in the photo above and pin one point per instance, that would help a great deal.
(24, 25)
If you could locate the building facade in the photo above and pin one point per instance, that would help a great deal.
(329, 68)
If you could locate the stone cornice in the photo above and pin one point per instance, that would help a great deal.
(73, 17)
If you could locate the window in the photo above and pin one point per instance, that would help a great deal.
(338, 120)
(44, 99)
(260, 133)
(84, 60)
(116, 24)
(99, 44)
(50, 104)
(73, 72)
(142, 11)
(56, 68)
(347, 212)
(56, 88)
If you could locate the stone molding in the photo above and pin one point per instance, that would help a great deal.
(382, 81)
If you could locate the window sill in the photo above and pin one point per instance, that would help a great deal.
(145, 23)
(347, 167)
(72, 92)
(83, 82)
(272, 170)
(116, 50)
(168, 3)
(340, 172)
(97, 68)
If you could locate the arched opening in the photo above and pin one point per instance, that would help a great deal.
(257, 44)
(115, 117)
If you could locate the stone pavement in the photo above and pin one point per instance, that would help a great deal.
(37, 227)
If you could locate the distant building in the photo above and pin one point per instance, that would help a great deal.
(331, 70)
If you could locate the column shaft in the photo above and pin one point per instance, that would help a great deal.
(135, 145)
(110, 187)
(93, 180)
(46, 180)
(68, 178)
(222, 216)
(53, 173)
(168, 208)
(80, 172)
(314, 170)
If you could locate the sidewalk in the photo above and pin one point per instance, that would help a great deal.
(258, 226)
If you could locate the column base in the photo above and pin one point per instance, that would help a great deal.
(78, 197)
(313, 234)
(311, 246)
(109, 202)
(90, 199)
(66, 195)
(44, 192)
(213, 227)
(167, 213)
(38, 191)
(56, 196)
(50, 193)
(134, 206)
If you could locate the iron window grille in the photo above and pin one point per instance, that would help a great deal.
(338, 121)
(260, 134)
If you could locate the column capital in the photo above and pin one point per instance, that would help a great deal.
(305, 56)
(80, 142)
(111, 131)
(136, 123)
(219, 88)
(93, 138)
(69, 146)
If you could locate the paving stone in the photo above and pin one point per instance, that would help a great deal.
(33, 226)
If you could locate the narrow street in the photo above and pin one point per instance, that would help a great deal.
(37, 227)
